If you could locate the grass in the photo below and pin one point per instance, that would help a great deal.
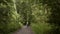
(11, 27)
(41, 28)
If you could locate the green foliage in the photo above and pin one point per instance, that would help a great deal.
(24, 9)
(38, 12)
(55, 11)
(49, 13)
(9, 18)
(41, 28)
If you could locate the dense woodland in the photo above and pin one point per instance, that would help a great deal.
(43, 15)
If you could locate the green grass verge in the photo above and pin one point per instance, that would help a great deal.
(41, 28)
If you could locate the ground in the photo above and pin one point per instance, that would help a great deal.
(24, 30)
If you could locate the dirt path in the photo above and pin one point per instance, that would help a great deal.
(24, 30)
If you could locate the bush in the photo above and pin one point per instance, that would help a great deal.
(41, 28)
(9, 18)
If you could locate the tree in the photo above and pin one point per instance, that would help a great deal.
(8, 16)
(24, 9)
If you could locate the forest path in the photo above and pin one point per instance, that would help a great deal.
(24, 30)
